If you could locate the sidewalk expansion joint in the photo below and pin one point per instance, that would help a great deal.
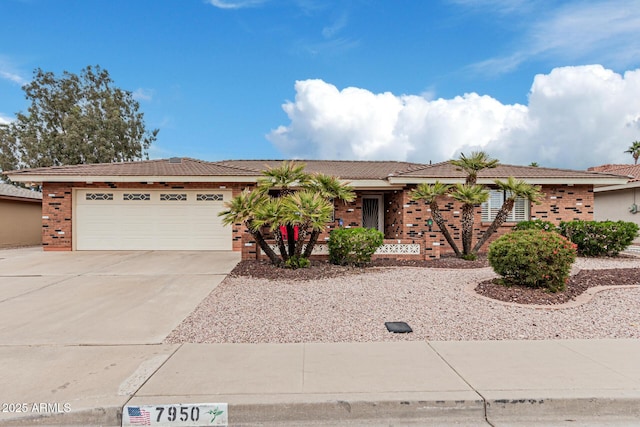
(155, 371)
(484, 400)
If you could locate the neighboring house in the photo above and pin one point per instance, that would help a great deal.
(173, 204)
(20, 216)
(618, 202)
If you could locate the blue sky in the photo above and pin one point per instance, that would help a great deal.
(556, 82)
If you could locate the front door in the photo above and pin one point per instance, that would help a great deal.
(372, 214)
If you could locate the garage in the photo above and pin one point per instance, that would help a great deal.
(142, 219)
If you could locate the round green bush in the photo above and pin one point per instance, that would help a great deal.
(353, 246)
(600, 238)
(533, 258)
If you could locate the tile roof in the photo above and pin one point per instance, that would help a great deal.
(626, 170)
(447, 170)
(345, 169)
(162, 167)
(8, 190)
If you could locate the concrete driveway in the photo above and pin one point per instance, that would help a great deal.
(106, 298)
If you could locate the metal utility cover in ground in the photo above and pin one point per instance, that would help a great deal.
(398, 327)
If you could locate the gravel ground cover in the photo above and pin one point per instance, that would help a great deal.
(260, 304)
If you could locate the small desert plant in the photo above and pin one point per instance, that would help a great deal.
(353, 246)
(469, 257)
(296, 262)
(599, 238)
(533, 258)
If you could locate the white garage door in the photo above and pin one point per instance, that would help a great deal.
(141, 219)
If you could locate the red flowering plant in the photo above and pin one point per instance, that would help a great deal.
(533, 258)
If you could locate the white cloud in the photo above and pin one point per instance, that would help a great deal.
(576, 117)
(13, 77)
(142, 94)
(338, 24)
(608, 29)
(500, 6)
(603, 31)
(235, 4)
(9, 72)
(4, 120)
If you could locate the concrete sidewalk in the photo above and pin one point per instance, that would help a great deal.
(499, 383)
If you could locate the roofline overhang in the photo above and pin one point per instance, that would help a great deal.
(372, 184)
(20, 199)
(390, 183)
(532, 181)
(627, 186)
(130, 178)
(355, 183)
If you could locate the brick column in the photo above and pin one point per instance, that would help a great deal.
(431, 246)
(250, 249)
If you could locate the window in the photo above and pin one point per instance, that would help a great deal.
(99, 196)
(490, 208)
(173, 197)
(136, 196)
(209, 197)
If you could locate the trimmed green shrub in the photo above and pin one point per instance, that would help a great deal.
(533, 258)
(353, 246)
(599, 238)
(535, 224)
(296, 262)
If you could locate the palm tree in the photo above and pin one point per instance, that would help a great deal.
(634, 150)
(242, 209)
(330, 188)
(473, 164)
(309, 210)
(470, 195)
(269, 214)
(430, 193)
(515, 188)
(303, 200)
(284, 178)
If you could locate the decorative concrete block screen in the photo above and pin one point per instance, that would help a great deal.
(385, 249)
(399, 249)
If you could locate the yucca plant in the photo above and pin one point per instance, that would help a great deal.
(330, 188)
(303, 200)
(470, 195)
(309, 211)
(243, 209)
(430, 193)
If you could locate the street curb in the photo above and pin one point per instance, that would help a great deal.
(335, 412)
(110, 416)
(358, 412)
(504, 410)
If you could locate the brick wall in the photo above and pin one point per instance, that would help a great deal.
(560, 203)
(57, 205)
(565, 203)
(404, 218)
(393, 214)
(56, 216)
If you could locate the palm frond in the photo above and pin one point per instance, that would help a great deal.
(519, 188)
(288, 174)
(331, 188)
(470, 194)
(306, 208)
(429, 192)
